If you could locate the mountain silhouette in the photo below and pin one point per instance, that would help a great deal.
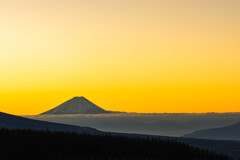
(16, 122)
(231, 132)
(77, 105)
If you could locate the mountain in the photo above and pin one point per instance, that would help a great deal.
(17, 122)
(77, 105)
(231, 132)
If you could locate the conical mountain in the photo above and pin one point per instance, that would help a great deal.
(77, 105)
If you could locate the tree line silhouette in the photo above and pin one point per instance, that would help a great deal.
(45, 145)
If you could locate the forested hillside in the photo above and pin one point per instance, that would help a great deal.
(46, 145)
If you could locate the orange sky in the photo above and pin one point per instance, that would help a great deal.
(125, 55)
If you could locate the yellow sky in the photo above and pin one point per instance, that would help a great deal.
(126, 55)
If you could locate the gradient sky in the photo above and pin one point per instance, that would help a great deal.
(124, 55)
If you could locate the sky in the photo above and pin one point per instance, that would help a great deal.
(123, 55)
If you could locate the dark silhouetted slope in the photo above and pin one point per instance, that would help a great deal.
(231, 132)
(16, 122)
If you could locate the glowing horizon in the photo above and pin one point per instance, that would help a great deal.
(134, 56)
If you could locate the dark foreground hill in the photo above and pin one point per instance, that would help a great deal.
(46, 145)
(231, 132)
(16, 122)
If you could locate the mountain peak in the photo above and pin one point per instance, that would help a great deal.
(77, 105)
(79, 97)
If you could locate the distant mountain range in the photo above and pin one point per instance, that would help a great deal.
(231, 132)
(77, 105)
(81, 112)
(16, 122)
